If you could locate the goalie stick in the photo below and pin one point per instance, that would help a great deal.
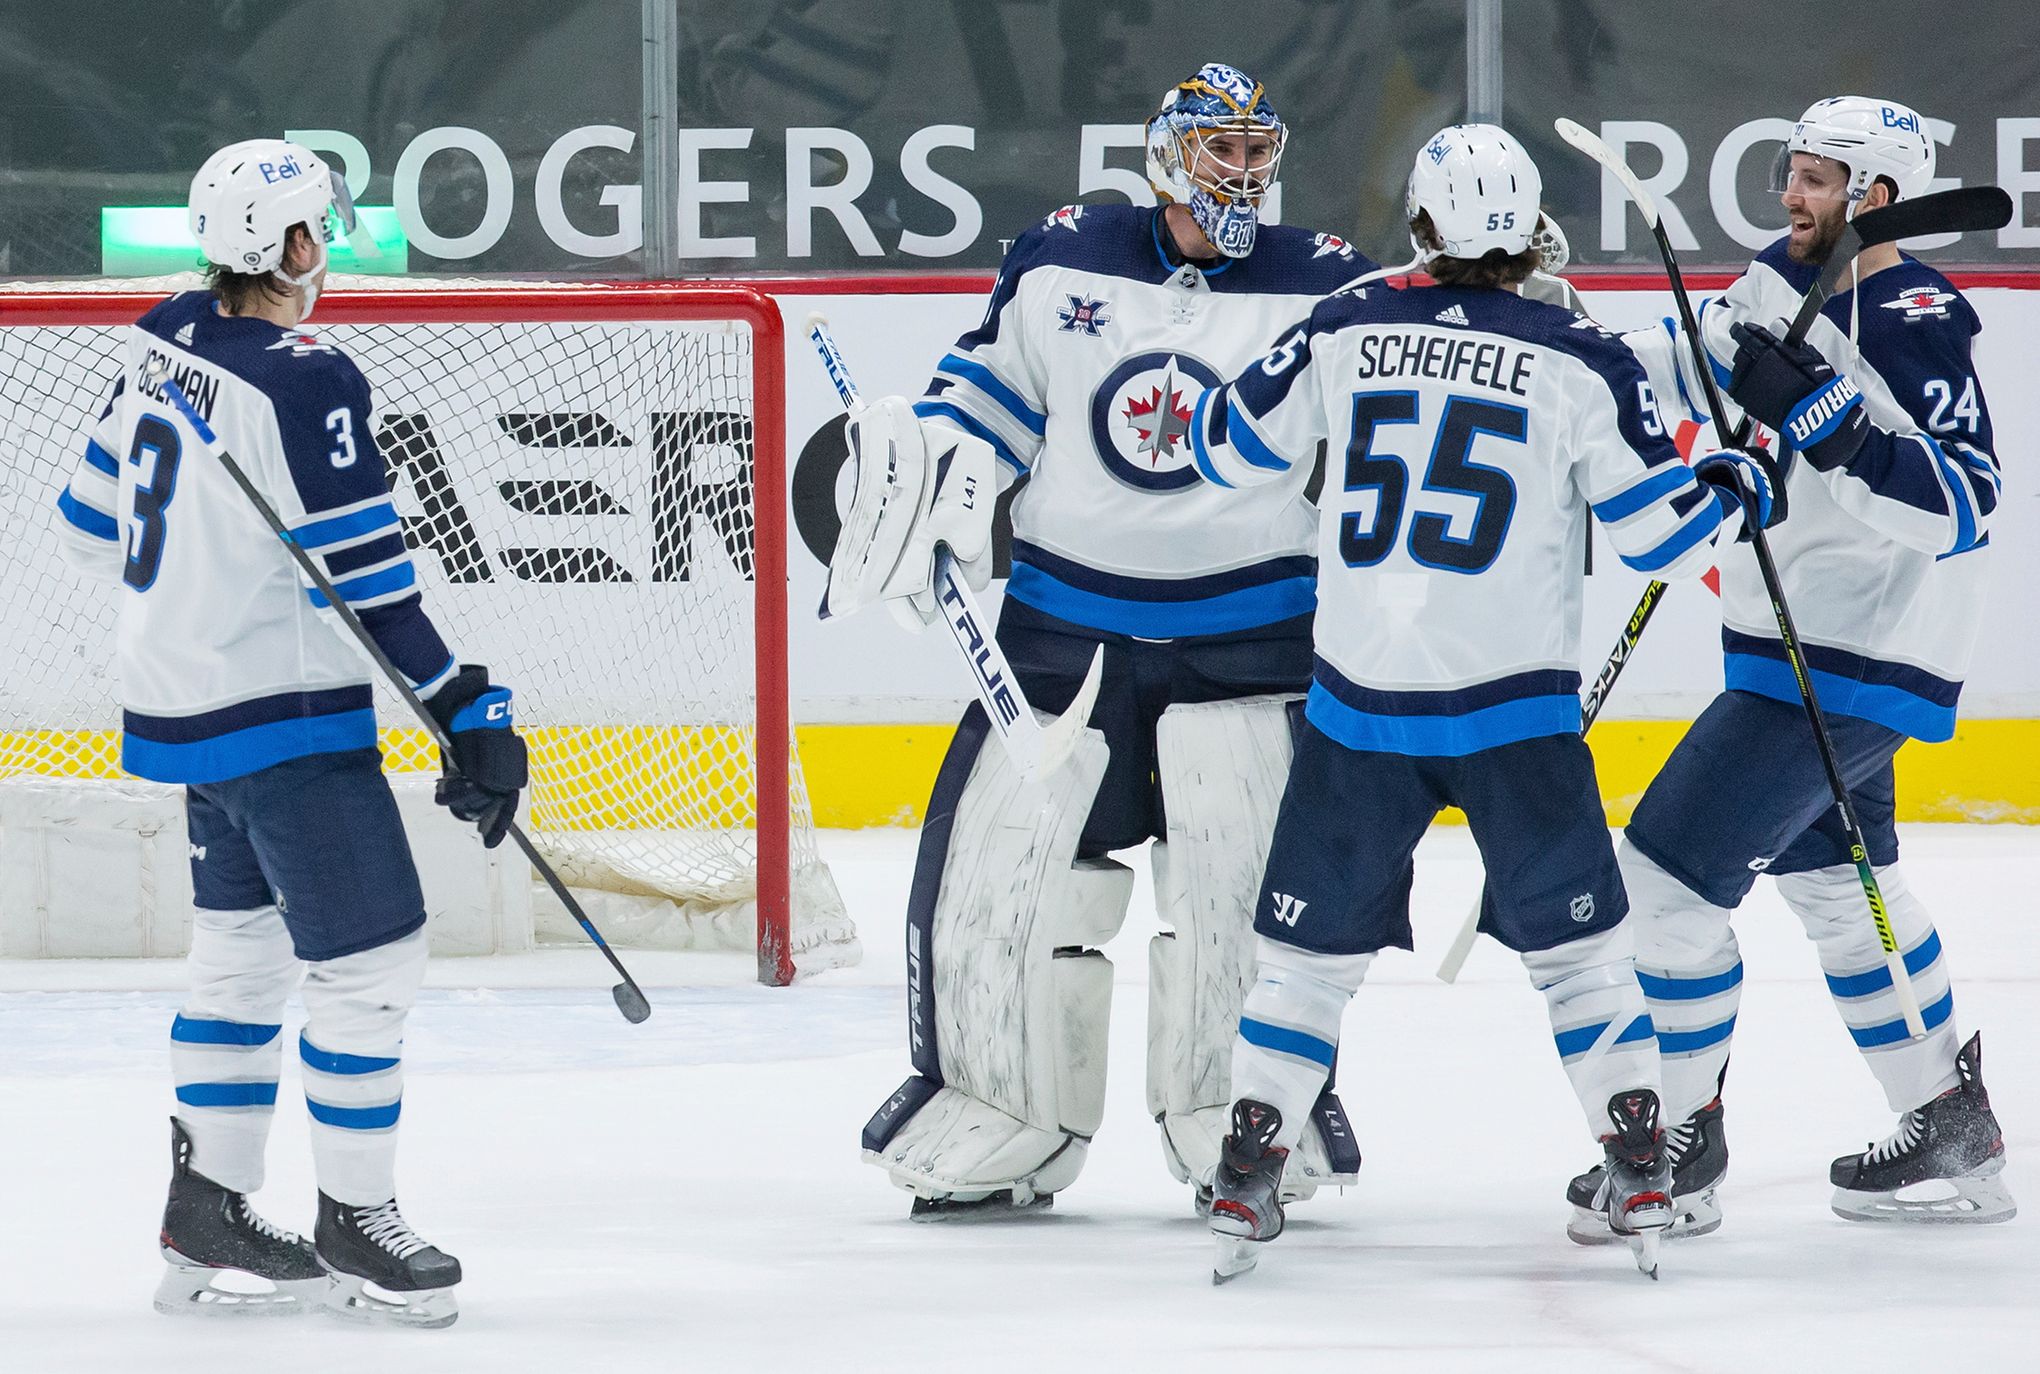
(1957, 210)
(630, 998)
(1035, 749)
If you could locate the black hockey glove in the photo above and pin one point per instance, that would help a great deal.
(482, 779)
(1746, 477)
(1798, 393)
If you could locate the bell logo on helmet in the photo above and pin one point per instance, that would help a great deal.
(1901, 119)
(1438, 149)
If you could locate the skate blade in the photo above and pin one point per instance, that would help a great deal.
(352, 1298)
(1644, 1246)
(998, 1207)
(1235, 1255)
(196, 1290)
(1970, 1201)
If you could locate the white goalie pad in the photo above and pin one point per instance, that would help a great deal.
(1020, 999)
(915, 487)
(1223, 766)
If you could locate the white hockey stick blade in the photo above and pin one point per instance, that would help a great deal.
(1059, 736)
(1591, 143)
(1462, 945)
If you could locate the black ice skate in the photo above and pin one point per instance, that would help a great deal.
(1635, 1194)
(1698, 1147)
(1942, 1164)
(1246, 1203)
(382, 1271)
(211, 1235)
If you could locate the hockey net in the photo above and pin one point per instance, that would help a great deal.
(592, 483)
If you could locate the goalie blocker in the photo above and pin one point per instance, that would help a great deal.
(1009, 996)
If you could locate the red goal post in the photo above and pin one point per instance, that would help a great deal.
(559, 326)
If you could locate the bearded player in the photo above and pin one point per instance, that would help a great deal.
(1107, 320)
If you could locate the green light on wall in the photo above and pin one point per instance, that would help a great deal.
(154, 240)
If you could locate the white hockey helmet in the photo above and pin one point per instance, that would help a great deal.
(1870, 138)
(247, 196)
(1480, 189)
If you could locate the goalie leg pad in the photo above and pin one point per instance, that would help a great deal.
(1008, 1006)
(1222, 767)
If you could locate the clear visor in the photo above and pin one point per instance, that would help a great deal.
(1234, 161)
(1808, 175)
(342, 221)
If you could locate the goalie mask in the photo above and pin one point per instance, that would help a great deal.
(247, 197)
(1214, 146)
(1861, 139)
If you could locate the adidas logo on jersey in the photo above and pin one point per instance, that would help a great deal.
(1288, 909)
(1451, 314)
(183, 335)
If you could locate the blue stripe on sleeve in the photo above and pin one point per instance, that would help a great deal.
(101, 459)
(1960, 494)
(1703, 522)
(970, 424)
(319, 533)
(1200, 453)
(1249, 444)
(1646, 493)
(96, 523)
(362, 588)
(982, 377)
(1283, 1040)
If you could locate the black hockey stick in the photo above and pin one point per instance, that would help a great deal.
(1961, 210)
(630, 998)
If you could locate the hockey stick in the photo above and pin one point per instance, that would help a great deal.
(630, 998)
(1035, 749)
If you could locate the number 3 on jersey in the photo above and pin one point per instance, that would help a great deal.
(155, 452)
(1367, 537)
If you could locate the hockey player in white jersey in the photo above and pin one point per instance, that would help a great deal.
(1893, 481)
(1472, 431)
(238, 682)
(1106, 321)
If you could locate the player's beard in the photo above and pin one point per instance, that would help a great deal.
(1826, 232)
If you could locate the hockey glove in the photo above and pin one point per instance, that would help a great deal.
(481, 781)
(1798, 393)
(1744, 478)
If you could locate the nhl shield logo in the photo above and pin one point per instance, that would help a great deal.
(1140, 419)
(1583, 907)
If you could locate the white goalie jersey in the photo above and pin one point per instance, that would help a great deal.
(1471, 432)
(1081, 379)
(226, 658)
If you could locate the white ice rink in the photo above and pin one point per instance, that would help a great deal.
(687, 1194)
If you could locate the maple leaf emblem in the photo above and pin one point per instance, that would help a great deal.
(1158, 424)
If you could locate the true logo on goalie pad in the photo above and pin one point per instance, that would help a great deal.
(997, 689)
(1288, 909)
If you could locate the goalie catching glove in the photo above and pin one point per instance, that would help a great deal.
(917, 486)
(488, 769)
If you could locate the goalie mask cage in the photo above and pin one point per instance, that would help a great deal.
(592, 480)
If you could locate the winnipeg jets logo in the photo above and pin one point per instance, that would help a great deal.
(1065, 218)
(1084, 316)
(1332, 243)
(1922, 302)
(1451, 314)
(301, 345)
(1288, 909)
(1140, 419)
(1582, 909)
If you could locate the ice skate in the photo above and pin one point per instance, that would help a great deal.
(1246, 1204)
(1636, 1183)
(211, 1237)
(1943, 1164)
(1698, 1148)
(382, 1271)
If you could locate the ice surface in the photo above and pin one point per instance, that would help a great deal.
(686, 1194)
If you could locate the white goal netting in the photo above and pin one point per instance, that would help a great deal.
(578, 493)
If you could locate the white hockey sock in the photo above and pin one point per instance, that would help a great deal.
(352, 1053)
(1604, 1033)
(1830, 903)
(1690, 969)
(226, 1047)
(1289, 1029)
